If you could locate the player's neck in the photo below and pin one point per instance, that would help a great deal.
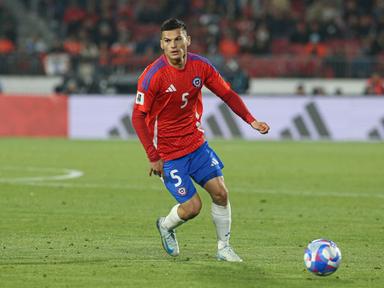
(177, 63)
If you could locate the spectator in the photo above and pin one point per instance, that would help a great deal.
(69, 86)
(262, 40)
(73, 16)
(228, 46)
(335, 62)
(35, 45)
(6, 45)
(374, 85)
(8, 27)
(300, 33)
(318, 91)
(322, 38)
(300, 90)
(377, 44)
(338, 92)
(233, 74)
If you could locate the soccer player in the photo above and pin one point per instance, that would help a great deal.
(166, 116)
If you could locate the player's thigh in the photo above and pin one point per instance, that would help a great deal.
(205, 165)
(177, 180)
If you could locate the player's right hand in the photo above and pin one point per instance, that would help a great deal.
(156, 168)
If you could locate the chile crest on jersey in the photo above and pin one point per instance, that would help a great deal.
(197, 82)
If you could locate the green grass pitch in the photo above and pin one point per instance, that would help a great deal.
(98, 230)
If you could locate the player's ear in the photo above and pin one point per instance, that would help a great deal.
(161, 41)
(188, 40)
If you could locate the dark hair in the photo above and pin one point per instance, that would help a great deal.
(172, 24)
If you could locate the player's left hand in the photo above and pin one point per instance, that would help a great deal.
(156, 168)
(262, 127)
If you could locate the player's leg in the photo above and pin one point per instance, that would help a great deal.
(182, 212)
(178, 215)
(222, 218)
(179, 184)
(220, 210)
(209, 175)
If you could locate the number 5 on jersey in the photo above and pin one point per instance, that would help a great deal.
(184, 99)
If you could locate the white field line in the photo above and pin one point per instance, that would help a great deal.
(63, 174)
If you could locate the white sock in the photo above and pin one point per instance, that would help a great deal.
(221, 216)
(172, 220)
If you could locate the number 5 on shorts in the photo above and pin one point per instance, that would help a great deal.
(174, 176)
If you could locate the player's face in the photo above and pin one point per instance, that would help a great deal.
(174, 44)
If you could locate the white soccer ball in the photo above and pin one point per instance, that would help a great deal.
(322, 257)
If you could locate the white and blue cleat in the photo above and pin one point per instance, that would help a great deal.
(227, 254)
(168, 238)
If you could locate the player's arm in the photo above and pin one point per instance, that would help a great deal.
(155, 162)
(217, 85)
(143, 103)
(234, 101)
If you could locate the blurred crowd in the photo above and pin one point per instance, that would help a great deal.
(244, 38)
(230, 27)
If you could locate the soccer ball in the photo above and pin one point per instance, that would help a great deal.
(322, 257)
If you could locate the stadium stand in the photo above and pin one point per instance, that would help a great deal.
(98, 46)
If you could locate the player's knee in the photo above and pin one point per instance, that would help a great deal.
(221, 196)
(192, 208)
(195, 209)
(222, 199)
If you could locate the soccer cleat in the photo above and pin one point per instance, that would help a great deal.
(227, 254)
(168, 238)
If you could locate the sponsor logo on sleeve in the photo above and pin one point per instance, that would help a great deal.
(139, 98)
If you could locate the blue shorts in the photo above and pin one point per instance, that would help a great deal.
(201, 165)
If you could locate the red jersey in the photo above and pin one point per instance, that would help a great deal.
(171, 99)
